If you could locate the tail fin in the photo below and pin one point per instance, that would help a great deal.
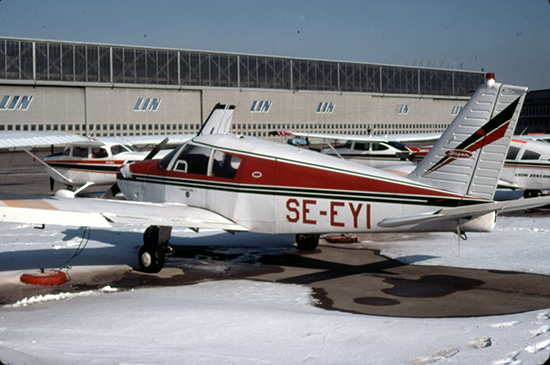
(219, 120)
(469, 156)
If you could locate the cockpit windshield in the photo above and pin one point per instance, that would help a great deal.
(399, 146)
(119, 148)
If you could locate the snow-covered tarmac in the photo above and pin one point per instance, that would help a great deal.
(251, 322)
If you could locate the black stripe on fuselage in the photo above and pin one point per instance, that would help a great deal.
(82, 167)
(332, 194)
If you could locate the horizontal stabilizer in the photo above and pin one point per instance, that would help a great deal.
(465, 212)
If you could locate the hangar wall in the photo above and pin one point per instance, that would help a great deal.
(119, 111)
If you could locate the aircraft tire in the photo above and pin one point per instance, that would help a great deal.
(307, 242)
(151, 259)
(150, 236)
(531, 193)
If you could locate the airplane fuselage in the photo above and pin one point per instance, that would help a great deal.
(95, 163)
(275, 188)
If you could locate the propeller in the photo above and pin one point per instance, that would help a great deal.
(156, 150)
(114, 189)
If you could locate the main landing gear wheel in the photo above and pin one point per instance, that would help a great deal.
(531, 193)
(151, 259)
(307, 242)
(155, 248)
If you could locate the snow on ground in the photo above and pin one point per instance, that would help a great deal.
(516, 244)
(248, 322)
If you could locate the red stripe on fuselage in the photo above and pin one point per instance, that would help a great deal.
(260, 172)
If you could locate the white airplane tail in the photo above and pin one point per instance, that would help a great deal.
(469, 156)
(219, 120)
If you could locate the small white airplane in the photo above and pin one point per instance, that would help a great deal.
(372, 150)
(89, 161)
(240, 183)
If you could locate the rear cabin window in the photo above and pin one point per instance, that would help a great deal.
(530, 155)
(225, 165)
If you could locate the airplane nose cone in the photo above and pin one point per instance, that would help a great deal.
(125, 171)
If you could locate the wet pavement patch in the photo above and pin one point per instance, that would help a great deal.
(377, 301)
(430, 286)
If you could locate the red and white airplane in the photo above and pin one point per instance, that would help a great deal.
(94, 161)
(240, 183)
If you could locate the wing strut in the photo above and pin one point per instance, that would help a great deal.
(47, 166)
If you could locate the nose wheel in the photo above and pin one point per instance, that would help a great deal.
(155, 249)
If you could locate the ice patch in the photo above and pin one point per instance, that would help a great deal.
(537, 347)
(509, 359)
(505, 324)
(539, 331)
(440, 355)
(56, 297)
(482, 342)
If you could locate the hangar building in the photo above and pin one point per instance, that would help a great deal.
(114, 90)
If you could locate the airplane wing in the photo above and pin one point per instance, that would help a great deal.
(403, 138)
(148, 140)
(12, 139)
(101, 213)
(465, 212)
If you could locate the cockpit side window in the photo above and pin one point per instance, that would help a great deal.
(80, 151)
(193, 160)
(361, 146)
(67, 150)
(225, 165)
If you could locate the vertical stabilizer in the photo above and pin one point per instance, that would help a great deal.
(219, 120)
(469, 156)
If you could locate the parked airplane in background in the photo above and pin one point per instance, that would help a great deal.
(91, 161)
(375, 151)
(240, 183)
